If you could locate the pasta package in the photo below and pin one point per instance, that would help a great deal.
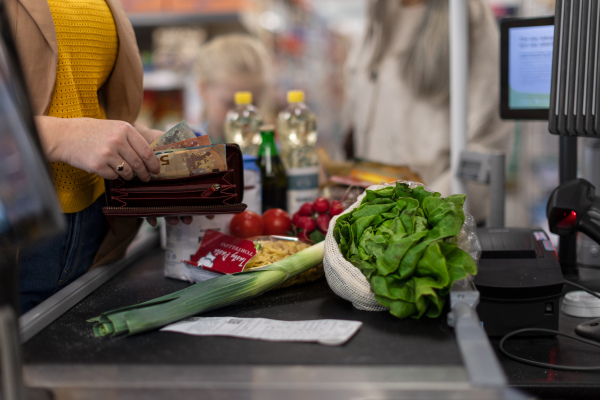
(273, 249)
(219, 254)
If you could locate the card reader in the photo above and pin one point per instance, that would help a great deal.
(519, 280)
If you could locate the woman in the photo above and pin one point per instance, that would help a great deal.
(84, 76)
(398, 100)
(228, 64)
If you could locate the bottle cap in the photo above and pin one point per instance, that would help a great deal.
(267, 128)
(243, 97)
(295, 96)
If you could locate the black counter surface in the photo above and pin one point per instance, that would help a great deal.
(382, 340)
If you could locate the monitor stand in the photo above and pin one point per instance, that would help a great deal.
(567, 168)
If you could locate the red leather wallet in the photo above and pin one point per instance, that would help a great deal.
(213, 193)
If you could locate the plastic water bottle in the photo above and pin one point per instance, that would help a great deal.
(297, 130)
(242, 124)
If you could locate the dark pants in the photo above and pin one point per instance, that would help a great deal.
(50, 265)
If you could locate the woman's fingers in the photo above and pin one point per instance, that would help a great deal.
(152, 221)
(124, 171)
(143, 161)
(175, 220)
(136, 155)
(99, 146)
(187, 220)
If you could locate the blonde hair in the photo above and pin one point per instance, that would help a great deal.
(232, 55)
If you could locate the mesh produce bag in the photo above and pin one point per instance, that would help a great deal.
(348, 282)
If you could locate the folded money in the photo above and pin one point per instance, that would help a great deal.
(199, 141)
(178, 133)
(180, 163)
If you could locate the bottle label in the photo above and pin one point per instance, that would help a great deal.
(252, 191)
(303, 186)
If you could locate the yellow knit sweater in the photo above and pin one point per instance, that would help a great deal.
(87, 50)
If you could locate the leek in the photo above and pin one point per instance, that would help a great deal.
(205, 296)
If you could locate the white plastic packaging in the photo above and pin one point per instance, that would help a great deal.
(182, 241)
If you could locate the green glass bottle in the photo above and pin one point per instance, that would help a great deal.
(272, 171)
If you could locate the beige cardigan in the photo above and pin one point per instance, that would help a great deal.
(393, 127)
(35, 39)
(121, 95)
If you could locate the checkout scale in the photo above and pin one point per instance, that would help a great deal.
(518, 266)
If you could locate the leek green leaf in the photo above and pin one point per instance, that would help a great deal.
(205, 296)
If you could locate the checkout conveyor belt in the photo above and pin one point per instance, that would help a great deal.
(387, 358)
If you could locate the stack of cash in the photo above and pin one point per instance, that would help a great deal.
(183, 154)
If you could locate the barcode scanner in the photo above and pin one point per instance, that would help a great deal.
(573, 206)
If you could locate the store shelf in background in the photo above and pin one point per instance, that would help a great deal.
(178, 19)
(143, 5)
(185, 6)
(182, 12)
(162, 106)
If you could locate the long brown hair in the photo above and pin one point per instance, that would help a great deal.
(426, 63)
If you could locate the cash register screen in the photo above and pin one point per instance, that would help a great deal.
(525, 67)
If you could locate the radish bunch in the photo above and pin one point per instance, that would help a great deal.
(311, 221)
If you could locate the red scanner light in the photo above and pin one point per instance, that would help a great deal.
(564, 219)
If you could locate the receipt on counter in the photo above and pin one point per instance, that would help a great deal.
(331, 332)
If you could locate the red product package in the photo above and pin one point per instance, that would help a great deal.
(222, 253)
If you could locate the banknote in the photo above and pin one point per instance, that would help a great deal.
(180, 163)
(199, 141)
(178, 133)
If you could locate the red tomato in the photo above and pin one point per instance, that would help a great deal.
(277, 221)
(246, 224)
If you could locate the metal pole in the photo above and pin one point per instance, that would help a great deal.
(497, 190)
(459, 71)
(11, 383)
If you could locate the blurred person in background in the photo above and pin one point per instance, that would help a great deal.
(227, 64)
(398, 94)
(84, 76)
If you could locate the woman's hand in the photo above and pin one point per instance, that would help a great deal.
(107, 148)
(172, 220)
(100, 146)
(151, 135)
(148, 133)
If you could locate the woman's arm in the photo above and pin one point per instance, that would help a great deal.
(98, 146)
